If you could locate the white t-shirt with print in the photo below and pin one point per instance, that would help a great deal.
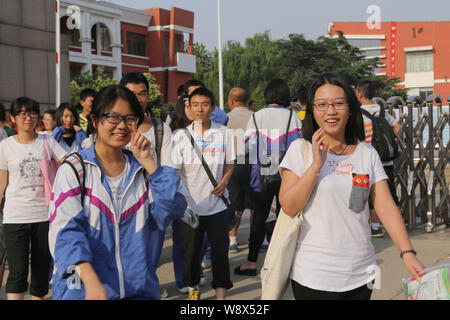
(334, 250)
(218, 149)
(24, 196)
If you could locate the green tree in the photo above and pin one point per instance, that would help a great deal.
(250, 66)
(96, 80)
(297, 60)
(154, 94)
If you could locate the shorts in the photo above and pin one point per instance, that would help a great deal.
(18, 238)
(391, 176)
(241, 195)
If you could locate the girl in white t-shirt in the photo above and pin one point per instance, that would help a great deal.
(25, 212)
(334, 258)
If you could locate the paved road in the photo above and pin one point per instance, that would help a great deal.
(432, 248)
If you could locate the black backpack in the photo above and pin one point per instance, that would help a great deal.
(266, 176)
(383, 137)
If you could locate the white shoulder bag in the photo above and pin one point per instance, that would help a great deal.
(280, 254)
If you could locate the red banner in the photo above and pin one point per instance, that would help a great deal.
(393, 47)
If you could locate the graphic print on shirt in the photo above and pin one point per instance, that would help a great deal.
(360, 192)
(30, 173)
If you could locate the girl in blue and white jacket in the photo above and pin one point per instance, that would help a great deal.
(108, 247)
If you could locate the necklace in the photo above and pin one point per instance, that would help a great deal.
(338, 154)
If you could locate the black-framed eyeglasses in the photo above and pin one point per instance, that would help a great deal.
(31, 114)
(323, 106)
(115, 118)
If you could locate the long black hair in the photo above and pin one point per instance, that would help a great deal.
(60, 112)
(354, 129)
(179, 119)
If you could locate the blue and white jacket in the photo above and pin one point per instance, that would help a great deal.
(123, 247)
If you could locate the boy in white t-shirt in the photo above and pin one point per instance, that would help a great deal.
(217, 146)
(365, 92)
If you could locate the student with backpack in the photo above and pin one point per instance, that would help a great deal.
(155, 130)
(25, 212)
(270, 131)
(105, 228)
(380, 129)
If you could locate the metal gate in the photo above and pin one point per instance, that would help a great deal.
(420, 170)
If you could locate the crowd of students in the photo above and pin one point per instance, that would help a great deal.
(124, 176)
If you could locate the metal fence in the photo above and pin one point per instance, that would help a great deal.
(422, 185)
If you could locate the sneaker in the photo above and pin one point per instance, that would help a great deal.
(377, 233)
(190, 218)
(183, 290)
(234, 248)
(194, 295)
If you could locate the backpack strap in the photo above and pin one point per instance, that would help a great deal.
(257, 140)
(382, 112)
(75, 161)
(159, 133)
(287, 131)
(205, 165)
(367, 114)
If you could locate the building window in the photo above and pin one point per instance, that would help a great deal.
(176, 46)
(105, 38)
(372, 53)
(365, 43)
(422, 92)
(74, 36)
(137, 44)
(420, 61)
(376, 70)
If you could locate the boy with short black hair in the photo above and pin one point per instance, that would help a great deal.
(216, 144)
(86, 99)
(366, 90)
(155, 130)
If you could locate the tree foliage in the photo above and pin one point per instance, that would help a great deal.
(95, 80)
(296, 60)
(99, 79)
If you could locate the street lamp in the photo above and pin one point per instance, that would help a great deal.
(219, 24)
(58, 56)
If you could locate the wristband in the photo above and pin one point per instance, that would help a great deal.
(407, 251)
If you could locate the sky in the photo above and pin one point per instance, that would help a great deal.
(244, 18)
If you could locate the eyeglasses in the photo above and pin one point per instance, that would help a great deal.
(31, 114)
(323, 106)
(115, 118)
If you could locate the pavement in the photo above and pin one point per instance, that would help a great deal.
(432, 248)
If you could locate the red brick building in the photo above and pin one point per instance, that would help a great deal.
(122, 39)
(416, 52)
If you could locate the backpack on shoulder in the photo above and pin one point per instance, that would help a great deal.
(383, 137)
(75, 161)
(268, 172)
